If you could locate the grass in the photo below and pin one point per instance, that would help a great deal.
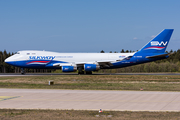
(12, 114)
(95, 82)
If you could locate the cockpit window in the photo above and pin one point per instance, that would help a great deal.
(28, 53)
(17, 53)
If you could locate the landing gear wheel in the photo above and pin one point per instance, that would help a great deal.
(89, 72)
(80, 72)
(23, 71)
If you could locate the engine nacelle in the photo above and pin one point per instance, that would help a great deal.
(91, 67)
(69, 68)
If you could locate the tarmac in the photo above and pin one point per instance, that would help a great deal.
(89, 100)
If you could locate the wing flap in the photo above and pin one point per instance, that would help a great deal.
(103, 63)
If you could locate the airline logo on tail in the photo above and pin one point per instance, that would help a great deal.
(156, 45)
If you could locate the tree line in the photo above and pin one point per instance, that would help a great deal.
(171, 64)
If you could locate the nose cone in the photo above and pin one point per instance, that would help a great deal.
(9, 61)
(6, 60)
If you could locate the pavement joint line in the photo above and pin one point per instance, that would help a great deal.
(172, 101)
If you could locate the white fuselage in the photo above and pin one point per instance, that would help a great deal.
(68, 57)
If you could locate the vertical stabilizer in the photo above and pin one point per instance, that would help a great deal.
(159, 43)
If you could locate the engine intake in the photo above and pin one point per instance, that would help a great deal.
(91, 67)
(69, 68)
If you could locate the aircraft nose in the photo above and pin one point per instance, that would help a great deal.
(6, 60)
(9, 61)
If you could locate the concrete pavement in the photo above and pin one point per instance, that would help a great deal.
(89, 100)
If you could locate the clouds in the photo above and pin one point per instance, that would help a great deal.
(135, 38)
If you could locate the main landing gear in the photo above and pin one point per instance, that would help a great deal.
(89, 72)
(80, 71)
(23, 71)
(85, 72)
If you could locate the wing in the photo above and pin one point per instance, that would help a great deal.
(101, 63)
(104, 63)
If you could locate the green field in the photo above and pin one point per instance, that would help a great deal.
(9, 114)
(95, 82)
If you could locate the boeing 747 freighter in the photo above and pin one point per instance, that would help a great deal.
(85, 63)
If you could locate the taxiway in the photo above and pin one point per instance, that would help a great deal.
(89, 100)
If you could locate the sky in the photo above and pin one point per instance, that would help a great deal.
(86, 25)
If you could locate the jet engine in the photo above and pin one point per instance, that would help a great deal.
(91, 67)
(69, 68)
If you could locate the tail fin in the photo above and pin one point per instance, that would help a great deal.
(159, 43)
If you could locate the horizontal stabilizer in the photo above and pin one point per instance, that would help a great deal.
(158, 56)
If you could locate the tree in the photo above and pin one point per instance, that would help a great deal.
(127, 51)
(102, 51)
(122, 51)
(171, 51)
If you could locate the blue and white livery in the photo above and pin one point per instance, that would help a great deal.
(88, 62)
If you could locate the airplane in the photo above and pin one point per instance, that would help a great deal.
(85, 63)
